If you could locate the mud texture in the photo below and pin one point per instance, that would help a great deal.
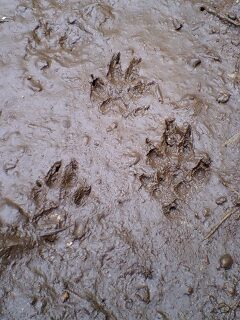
(119, 160)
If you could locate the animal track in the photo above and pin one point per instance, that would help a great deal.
(119, 91)
(74, 27)
(52, 195)
(60, 186)
(177, 167)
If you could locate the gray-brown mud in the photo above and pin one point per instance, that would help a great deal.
(119, 159)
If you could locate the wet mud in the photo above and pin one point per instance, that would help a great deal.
(119, 148)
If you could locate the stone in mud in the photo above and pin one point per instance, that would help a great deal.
(65, 296)
(221, 200)
(190, 291)
(223, 97)
(226, 261)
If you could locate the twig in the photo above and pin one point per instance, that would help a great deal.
(54, 232)
(229, 186)
(220, 16)
(233, 139)
(92, 299)
(216, 227)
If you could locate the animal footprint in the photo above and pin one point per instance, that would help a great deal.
(119, 90)
(61, 186)
(176, 165)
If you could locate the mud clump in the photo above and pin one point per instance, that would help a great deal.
(177, 166)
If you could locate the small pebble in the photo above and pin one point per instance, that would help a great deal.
(65, 296)
(34, 301)
(190, 290)
(177, 24)
(223, 97)
(221, 200)
(206, 212)
(226, 261)
(86, 139)
(5, 19)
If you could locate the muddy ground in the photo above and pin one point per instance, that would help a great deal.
(119, 148)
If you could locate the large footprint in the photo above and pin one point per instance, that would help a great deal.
(177, 166)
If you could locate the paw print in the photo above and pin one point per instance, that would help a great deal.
(177, 167)
(60, 187)
(59, 190)
(119, 91)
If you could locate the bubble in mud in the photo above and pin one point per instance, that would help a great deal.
(226, 261)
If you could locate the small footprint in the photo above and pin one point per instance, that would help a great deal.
(60, 187)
